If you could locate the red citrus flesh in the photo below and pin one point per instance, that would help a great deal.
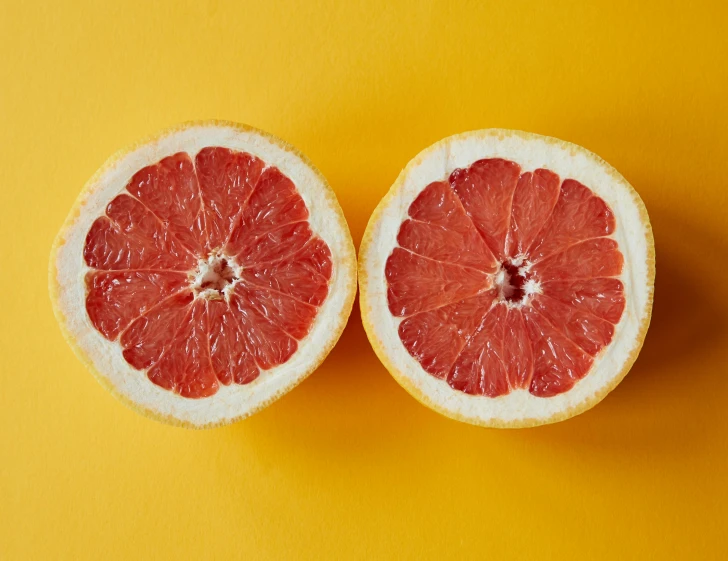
(206, 271)
(506, 280)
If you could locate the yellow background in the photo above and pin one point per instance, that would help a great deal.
(348, 466)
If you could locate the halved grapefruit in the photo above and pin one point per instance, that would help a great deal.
(507, 278)
(203, 273)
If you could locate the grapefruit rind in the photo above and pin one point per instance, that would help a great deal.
(633, 233)
(104, 359)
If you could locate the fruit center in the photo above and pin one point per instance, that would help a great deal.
(214, 277)
(511, 280)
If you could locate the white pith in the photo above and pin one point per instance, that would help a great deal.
(501, 281)
(530, 152)
(234, 401)
(207, 272)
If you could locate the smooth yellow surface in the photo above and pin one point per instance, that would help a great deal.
(348, 466)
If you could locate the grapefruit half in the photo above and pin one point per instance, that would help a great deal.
(203, 273)
(507, 278)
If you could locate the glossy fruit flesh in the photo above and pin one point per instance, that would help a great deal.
(506, 280)
(206, 271)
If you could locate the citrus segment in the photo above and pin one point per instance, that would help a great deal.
(479, 368)
(129, 237)
(169, 189)
(116, 298)
(275, 203)
(231, 358)
(439, 229)
(184, 366)
(578, 215)
(149, 335)
(226, 179)
(436, 337)
(498, 262)
(603, 297)
(292, 316)
(303, 275)
(517, 350)
(598, 257)
(533, 202)
(558, 362)
(268, 344)
(589, 332)
(418, 284)
(485, 190)
(272, 245)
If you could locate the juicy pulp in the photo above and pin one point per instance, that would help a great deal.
(173, 219)
(506, 280)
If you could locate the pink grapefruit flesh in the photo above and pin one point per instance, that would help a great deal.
(206, 271)
(506, 280)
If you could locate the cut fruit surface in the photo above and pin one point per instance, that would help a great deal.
(204, 272)
(506, 278)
